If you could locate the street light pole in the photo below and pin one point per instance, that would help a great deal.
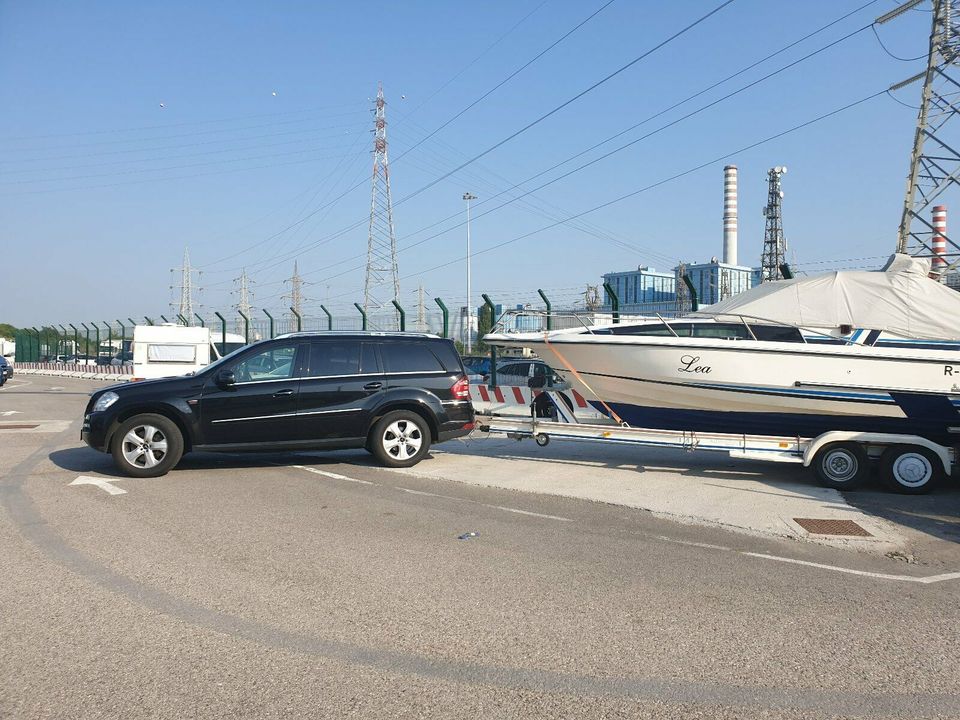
(468, 197)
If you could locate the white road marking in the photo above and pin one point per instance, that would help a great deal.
(493, 507)
(928, 580)
(315, 471)
(100, 483)
(56, 388)
(42, 426)
(8, 413)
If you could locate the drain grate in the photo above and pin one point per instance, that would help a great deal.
(831, 527)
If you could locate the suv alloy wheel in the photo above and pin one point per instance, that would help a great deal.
(400, 439)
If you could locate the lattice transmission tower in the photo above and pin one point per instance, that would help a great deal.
(243, 293)
(382, 284)
(935, 157)
(774, 242)
(185, 307)
(295, 297)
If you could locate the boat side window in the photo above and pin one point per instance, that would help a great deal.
(657, 329)
(777, 333)
(725, 331)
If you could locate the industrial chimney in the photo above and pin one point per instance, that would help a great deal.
(939, 239)
(730, 215)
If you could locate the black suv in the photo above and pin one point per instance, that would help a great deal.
(392, 393)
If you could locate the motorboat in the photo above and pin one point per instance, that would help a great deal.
(866, 351)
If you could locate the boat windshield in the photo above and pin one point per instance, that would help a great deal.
(728, 331)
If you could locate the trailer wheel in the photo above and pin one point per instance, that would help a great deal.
(542, 439)
(910, 469)
(841, 465)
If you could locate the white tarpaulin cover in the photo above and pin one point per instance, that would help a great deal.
(900, 299)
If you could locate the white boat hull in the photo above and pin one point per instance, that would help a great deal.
(758, 387)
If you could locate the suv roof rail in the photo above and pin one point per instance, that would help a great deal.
(360, 333)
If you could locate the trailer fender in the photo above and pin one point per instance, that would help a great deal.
(877, 439)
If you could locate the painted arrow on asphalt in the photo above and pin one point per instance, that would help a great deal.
(100, 483)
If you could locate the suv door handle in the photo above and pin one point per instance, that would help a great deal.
(373, 386)
(283, 393)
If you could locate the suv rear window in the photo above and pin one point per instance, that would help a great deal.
(448, 355)
(409, 357)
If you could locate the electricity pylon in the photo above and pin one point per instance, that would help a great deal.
(934, 161)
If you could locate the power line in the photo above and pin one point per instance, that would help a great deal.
(510, 77)
(522, 130)
(621, 147)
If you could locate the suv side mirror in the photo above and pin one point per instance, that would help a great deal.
(226, 378)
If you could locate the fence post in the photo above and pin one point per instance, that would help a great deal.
(200, 320)
(271, 322)
(493, 348)
(164, 318)
(299, 320)
(246, 328)
(149, 321)
(96, 354)
(182, 319)
(446, 316)
(329, 317)
(76, 341)
(86, 344)
(694, 300)
(223, 333)
(363, 315)
(133, 323)
(403, 316)
(110, 339)
(123, 336)
(38, 343)
(549, 308)
(614, 302)
(786, 271)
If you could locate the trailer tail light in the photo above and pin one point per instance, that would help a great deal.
(461, 389)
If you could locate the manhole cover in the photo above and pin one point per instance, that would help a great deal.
(831, 527)
(19, 426)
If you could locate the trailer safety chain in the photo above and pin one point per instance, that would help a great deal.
(583, 382)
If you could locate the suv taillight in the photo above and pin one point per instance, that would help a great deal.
(461, 389)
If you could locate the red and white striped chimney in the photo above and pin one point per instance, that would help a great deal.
(730, 214)
(939, 238)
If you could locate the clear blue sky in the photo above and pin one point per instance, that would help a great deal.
(102, 188)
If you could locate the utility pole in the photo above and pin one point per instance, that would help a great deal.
(244, 294)
(382, 284)
(934, 161)
(774, 243)
(468, 197)
(185, 306)
(296, 293)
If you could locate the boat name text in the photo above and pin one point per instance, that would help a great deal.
(689, 363)
(948, 370)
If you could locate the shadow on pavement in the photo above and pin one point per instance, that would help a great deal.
(936, 514)
(84, 460)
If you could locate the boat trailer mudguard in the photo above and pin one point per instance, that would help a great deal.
(876, 439)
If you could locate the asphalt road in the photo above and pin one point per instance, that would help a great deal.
(319, 586)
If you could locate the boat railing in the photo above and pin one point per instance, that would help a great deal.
(527, 320)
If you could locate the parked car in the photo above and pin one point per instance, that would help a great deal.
(392, 393)
(6, 370)
(122, 358)
(519, 371)
(81, 360)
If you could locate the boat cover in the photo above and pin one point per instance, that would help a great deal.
(900, 299)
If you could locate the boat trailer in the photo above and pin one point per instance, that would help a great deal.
(840, 459)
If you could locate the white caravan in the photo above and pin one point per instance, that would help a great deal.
(168, 350)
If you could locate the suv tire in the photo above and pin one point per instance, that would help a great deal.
(400, 439)
(147, 445)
